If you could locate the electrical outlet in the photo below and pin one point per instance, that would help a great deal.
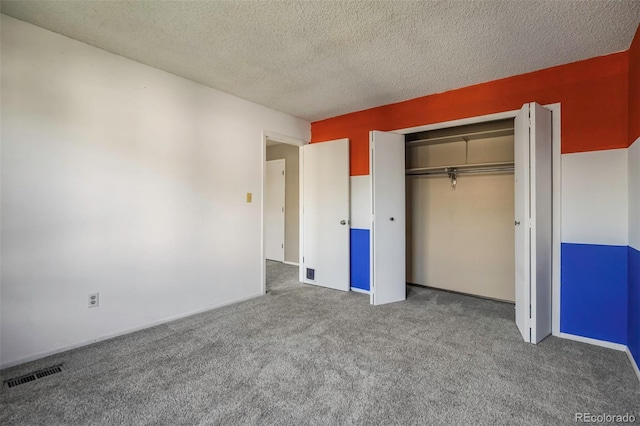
(94, 300)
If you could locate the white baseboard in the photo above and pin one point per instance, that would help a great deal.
(633, 363)
(291, 263)
(359, 290)
(44, 354)
(603, 343)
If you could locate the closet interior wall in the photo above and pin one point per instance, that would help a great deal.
(462, 239)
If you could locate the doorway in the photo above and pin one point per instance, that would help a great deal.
(460, 208)
(322, 210)
(280, 210)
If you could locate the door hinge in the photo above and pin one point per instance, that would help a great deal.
(283, 173)
(282, 246)
(283, 210)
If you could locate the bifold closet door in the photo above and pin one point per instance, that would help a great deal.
(388, 234)
(325, 214)
(533, 216)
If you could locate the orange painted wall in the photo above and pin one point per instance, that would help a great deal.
(593, 94)
(634, 88)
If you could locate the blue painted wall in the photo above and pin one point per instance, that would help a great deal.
(633, 337)
(360, 259)
(595, 284)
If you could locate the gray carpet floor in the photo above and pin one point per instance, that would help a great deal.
(308, 355)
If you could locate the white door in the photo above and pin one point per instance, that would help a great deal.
(388, 233)
(274, 210)
(533, 216)
(325, 214)
(522, 237)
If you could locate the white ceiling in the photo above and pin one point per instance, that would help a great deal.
(318, 59)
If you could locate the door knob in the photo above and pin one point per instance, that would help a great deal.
(517, 222)
(343, 222)
(391, 219)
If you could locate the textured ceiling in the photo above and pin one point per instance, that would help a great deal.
(320, 59)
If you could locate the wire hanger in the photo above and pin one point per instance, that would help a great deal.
(453, 175)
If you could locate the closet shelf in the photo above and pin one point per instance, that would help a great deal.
(464, 137)
(504, 166)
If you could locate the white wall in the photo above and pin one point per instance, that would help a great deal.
(595, 197)
(360, 204)
(291, 155)
(122, 179)
(634, 194)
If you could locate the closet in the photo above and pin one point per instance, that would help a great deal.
(460, 209)
(468, 209)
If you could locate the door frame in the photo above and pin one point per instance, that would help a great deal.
(279, 138)
(555, 109)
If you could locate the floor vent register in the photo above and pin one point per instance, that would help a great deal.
(40, 374)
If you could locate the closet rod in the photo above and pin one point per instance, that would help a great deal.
(453, 172)
(461, 172)
(460, 168)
